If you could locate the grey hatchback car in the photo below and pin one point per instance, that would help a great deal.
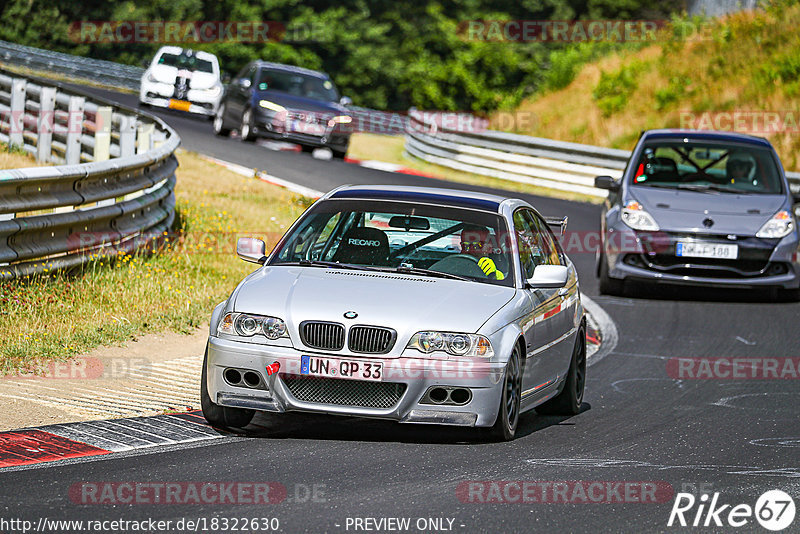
(410, 304)
(700, 208)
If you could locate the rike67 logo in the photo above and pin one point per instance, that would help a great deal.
(774, 510)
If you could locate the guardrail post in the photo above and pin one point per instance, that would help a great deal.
(74, 129)
(145, 138)
(127, 136)
(16, 125)
(45, 124)
(102, 134)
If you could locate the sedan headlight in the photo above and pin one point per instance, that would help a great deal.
(451, 343)
(340, 119)
(247, 325)
(214, 92)
(152, 79)
(633, 215)
(271, 105)
(780, 225)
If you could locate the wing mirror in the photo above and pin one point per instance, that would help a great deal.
(251, 249)
(606, 182)
(548, 276)
(244, 83)
(345, 101)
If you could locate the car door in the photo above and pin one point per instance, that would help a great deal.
(565, 305)
(240, 89)
(539, 325)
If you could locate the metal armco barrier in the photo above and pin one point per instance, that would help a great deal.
(113, 189)
(519, 158)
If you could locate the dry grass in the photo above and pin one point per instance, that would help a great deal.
(54, 316)
(389, 149)
(747, 62)
(15, 158)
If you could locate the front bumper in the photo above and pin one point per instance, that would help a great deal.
(652, 256)
(277, 126)
(413, 376)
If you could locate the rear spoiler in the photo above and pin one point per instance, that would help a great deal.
(557, 224)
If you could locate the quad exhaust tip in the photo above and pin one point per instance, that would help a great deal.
(246, 378)
(447, 395)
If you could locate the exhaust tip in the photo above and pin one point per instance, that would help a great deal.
(460, 396)
(232, 376)
(438, 395)
(252, 379)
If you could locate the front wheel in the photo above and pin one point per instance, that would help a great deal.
(505, 428)
(568, 402)
(220, 416)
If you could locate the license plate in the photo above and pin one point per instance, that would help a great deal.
(181, 105)
(336, 368)
(707, 250)
(306, 128)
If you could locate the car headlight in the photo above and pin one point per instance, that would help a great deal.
(214, 91)
(780, 225)
(247, 325)
(340, 119)
(451, 343)
(151, 78)
(271, 105)
(633, 215)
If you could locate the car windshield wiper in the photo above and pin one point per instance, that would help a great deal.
(686, 187)
(711, 187)
(330, 265)
(429, 272)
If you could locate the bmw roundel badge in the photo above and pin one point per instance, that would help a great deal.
(350, 315)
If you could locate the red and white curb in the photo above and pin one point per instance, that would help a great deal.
(31, 446)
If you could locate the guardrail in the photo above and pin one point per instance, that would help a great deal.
(520, 158)
(103, 72)
(113, 191)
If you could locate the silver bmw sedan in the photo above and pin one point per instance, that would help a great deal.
(411, 304)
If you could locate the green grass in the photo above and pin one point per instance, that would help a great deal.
(55, 316)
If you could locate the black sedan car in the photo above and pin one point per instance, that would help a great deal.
(700, 208)
(285, 103)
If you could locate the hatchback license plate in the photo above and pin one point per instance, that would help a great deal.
(707, 250)
(181, 105)
(335, 368)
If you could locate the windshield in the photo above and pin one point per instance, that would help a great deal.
(708, 167)
(185, 61)
(404, 237)
(297, 84)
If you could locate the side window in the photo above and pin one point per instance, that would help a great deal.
(526, 240)
(547, 242)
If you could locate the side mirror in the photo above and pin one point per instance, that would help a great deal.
(251, 249)
(549, 276)
(346, 101)
(226, 78)
(796, 197)
(606, 182)
(244, 83)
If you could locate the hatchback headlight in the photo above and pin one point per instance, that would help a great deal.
(451, 343)
(634, 215)
(780, 225)
(340, 119)
(266, 104)
(247, 325)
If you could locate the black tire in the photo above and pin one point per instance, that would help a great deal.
(307, 149)
(221, 416)
(339, 154)
(219, 122)
(246, 127)
(505, 427)
(568, 402)
(608, 285)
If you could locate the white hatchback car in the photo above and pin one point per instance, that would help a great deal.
(182, 79)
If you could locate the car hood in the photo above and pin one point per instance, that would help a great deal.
(681, 210)
(301, 103)
(405, 303)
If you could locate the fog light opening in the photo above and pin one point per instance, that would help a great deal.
(252, 379)
(438, 395)
(460, 396)
(232, 376)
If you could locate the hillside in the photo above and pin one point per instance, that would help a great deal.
(742, 73)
